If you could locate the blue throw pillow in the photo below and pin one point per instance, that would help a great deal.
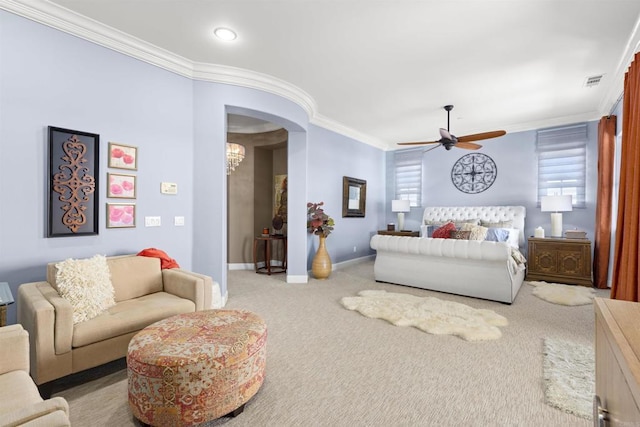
(497, 235)
(431, 229)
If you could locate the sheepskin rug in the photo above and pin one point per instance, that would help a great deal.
(569, 376)
(428, 314)
(563, 294)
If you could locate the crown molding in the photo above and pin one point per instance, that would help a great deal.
(254, 80)
(616, 88)
(60, 18)
(63, 19)
(553, 122)
(331, 124)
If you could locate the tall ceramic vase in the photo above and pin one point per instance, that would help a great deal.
(321, 265)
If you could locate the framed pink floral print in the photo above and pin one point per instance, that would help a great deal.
(123, 156)
(121, 186)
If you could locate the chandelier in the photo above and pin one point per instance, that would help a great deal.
(235, 154)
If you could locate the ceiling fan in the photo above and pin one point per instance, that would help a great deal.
(449, 140)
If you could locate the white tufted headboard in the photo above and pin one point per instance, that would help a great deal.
(484, 213)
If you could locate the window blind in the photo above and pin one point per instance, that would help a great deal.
(408, 176)
(562, 162)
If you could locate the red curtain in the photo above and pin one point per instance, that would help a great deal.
(626, 280)
(602, 241)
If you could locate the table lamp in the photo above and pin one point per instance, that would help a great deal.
(556, 205)
(400, 206)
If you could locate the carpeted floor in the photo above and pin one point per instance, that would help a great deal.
(328, 366)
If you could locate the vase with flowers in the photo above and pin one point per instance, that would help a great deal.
(320, 224)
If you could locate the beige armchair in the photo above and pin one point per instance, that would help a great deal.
(20, 402)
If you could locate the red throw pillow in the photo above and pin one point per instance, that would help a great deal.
(444, 232)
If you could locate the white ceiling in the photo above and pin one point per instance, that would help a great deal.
(383, 69)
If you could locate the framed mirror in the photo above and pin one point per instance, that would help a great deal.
(354, 197)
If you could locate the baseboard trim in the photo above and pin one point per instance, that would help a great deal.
(297, 279)
(241, 266)
(291, 278)
(354, 261)
(347, 263)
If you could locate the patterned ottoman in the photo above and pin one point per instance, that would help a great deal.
(195, 367)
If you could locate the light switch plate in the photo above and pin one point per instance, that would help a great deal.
(152, 221)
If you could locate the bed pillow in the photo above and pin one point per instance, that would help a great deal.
(514, 237)
(444, 232)
(86, 284)
(458, 223)
(428, 230)
(460, 234)
(497, 234)
(478, 232)
(498, 224)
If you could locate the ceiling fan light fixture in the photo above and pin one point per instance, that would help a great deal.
(226, 34)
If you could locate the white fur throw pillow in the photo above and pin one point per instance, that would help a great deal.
(86, 284)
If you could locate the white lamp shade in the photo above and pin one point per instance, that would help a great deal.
(400, 206)
(556, 204)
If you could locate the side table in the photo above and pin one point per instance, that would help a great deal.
(5, 299)
(400, 233)
(268, 267)
(558, 259)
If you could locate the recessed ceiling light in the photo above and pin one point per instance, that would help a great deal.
(225, 34)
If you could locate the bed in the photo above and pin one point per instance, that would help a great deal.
(492, 270)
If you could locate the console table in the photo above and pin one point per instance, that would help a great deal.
(268, 241)
(562, 260)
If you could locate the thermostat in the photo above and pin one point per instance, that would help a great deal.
(169, 188)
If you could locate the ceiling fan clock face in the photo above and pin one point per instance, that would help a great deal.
(474, 173)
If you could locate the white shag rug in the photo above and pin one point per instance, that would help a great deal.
(569, 377)
(563, 294)
(428, 314)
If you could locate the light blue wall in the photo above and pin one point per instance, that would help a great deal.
(331, 157)
(516, 183)
(212, 103)
(48, 77)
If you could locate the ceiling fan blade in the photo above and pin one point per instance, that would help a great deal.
(432, 148)
(467, 145)
(479, 136)
(419, 143)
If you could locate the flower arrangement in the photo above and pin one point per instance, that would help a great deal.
(318, 222)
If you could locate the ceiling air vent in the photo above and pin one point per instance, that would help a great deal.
(593, 81)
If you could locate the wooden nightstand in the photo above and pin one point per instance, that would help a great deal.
(400, 233)
(557, 259)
